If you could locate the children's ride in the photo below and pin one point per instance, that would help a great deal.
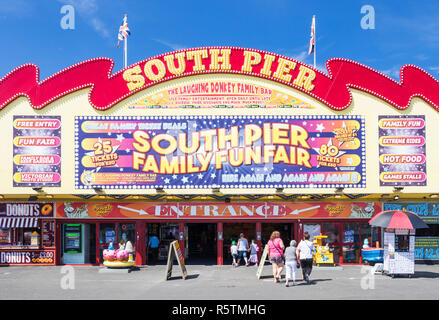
(322, 253)
(119, 258)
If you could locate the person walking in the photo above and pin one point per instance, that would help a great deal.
(153, 244)
(304, 254)
(243, 248)
(254, 249)
(234, 252)
(276, 247)
(291, 263)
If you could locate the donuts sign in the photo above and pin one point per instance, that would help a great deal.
(26, 210)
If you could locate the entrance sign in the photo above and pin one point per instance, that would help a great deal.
(215, 210)
(262, 262)
(181, 152)
(402, 151)
(175, 252)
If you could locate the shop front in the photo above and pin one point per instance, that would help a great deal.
(27, 234)
(204, 144)
(205, 230)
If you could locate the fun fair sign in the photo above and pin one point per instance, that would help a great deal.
(107, 89)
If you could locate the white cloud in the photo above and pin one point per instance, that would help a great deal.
(435, 69)
(173, 46)
(301, 56)
(393, 72)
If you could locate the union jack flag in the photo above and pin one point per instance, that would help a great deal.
(124, 31)
(312, 41)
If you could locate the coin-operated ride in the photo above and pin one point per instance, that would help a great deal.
(322, 255)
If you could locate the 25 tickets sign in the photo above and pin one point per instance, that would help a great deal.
(220, 151)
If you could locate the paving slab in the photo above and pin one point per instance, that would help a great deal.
(212, 283)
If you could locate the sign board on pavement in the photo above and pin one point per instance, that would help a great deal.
(175, 251)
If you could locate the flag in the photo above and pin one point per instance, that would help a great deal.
(124, 31)
(312, 41)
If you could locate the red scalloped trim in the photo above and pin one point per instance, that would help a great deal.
(332, 89)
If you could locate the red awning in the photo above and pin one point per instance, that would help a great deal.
(6, 223)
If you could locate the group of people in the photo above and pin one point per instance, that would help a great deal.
(239, 251)
(293, 257)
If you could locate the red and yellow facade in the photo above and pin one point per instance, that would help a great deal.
(198, 144)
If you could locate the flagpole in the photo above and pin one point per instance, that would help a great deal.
(125, 52)
(126, 49)
(315, 39)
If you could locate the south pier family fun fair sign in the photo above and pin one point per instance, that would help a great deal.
(220, 151)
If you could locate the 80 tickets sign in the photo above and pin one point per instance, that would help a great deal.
(220, 151)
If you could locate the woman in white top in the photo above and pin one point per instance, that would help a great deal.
(305, 256)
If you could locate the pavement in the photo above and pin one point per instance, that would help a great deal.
(211, 283)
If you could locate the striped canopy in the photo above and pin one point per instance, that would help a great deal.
(397, 219)
(6, 223)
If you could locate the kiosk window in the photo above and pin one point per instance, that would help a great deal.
(5, 236)
(401, 243)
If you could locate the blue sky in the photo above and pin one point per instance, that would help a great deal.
(406, 32)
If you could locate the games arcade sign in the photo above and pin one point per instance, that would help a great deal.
(332, 89)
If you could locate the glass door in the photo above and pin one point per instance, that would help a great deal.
(351, 242)
(332, 230)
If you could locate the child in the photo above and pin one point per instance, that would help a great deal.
(254, 249)
(234, 252)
